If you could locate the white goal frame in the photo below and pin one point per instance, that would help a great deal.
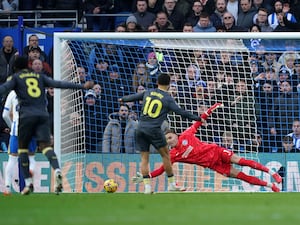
(60, 36)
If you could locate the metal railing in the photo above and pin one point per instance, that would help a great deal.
(38, 17)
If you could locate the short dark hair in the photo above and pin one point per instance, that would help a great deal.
(169, 131)
(163, 79)
(20, 63)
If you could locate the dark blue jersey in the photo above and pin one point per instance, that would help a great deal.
(156, 105)
(30, 89)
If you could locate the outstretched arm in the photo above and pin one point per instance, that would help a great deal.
(206, 114)
(155, 173)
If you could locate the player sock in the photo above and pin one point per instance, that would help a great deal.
(253, 164)
(251, 179)
(31, 163)
(11, 164)
(28, 181)
(24, 164)
(147, 185)
(51, 156)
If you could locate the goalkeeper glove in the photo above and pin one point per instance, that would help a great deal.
(205, 115)
(138, 178)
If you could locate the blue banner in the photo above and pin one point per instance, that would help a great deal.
(122, 167)
(45, 36)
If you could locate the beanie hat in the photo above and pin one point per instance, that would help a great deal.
(131, 19)
(151, 55)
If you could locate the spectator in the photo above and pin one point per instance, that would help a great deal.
(288, 63)
(132, 25)
(136, 107)
(242, 114)
(257, 4)
(283, 75)
(162, 22)
(227, 140)
(254, 68)
(257, 143)
(193, 17)
(279, 11)
(98, 90)
(211, 91)
(174, 14)
(270, 61)
(204, 24)
(201, 60)
(143, 17)
(188, 84)
(82, 76)
(95, 121)
(35, 53)
(37, 66)
(229, 23)
(208, 6)
(288, 145)
(101, 74)
(290, 49)
(115, 87)
(121, 27)
(30, 5)
(153, 67)
(217, 15)
(66, 5)
(33, 41)
(141, 77)
(261, 19)
(152, 28)
(255, 28)
(155, 6)
(8, 55)
(7, 6)
(119, 134)
(291, 25)
(266, 93)
(285, 108)
(296, 75)
(187, 27)
(281, 26)
(95, 7)
(233, 8)
(295, 134)
(245, 16)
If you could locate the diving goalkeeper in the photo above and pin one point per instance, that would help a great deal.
(187, 148)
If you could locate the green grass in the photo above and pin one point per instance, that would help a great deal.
(156, 209)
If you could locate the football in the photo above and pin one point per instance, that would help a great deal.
(110, 186)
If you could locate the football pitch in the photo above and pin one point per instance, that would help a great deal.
(156, 209)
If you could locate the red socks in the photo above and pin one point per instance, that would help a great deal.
(253, 164)
(251, 179)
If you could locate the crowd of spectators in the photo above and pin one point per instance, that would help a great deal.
(167, 15)
(261, 101)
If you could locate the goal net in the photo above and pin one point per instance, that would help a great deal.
(204, 69)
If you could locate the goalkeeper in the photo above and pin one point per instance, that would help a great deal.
(187, 148)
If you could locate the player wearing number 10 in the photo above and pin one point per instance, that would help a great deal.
(157, 103)
(34, 117)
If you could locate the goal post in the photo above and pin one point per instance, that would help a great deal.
(205, 68)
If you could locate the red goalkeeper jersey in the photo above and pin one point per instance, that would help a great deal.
(190, 149)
